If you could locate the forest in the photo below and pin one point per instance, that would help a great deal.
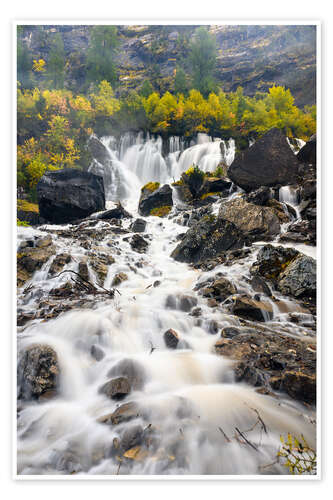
(57, 114)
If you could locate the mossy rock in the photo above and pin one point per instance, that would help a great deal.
(27, 213)
(151, 186)
(161, 211)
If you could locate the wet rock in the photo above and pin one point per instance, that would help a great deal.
(132, 437)
(194, 179)
(97, 352)
(229, 332)
(254, 221)
(280, 211)
(196, 312)
(259, 285)
(64, 291)
(44, 242)
(154, 197)
(308, 153)
(100, 268)
(132, 370)
(171, 338)
(30, 259)
(117, 213)
(83, 270)
(297, 385)
(299, 279)
(186, 302)
(273, 361)
(117, 388)
(207, 239)
(38, 372)
(59, 263)
(139, 244)
(219, 289)
(268, 162)
(98, 150)
(251, 309)
(124, 413)
(260, 196)
(119, 278)
(139, 226)
(70, 194)
(271, 261)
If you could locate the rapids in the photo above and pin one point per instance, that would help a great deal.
(190, 397)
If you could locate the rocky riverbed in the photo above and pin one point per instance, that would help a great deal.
(183, 343)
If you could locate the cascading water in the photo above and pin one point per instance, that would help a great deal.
(188, 404)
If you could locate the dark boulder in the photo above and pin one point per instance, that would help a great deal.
(132, 370)
(139, 226)
(271, 261)
(308, 153)
(299, 279)
(254, 221)
(194, 179)
(139, 244)
(207, 239)
(59, 262)
(259, 285)
(171, 338)
(117, 388)
(154, 197)
(215, 185)
(219, 289)
(269, 162)
(119, 278)
(68, 195)
(251, 309)
(98, 150)
(30, 259)
(297, 385)
(38, 372)
(115, 213)
(259, 196)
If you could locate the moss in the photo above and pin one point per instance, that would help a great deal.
(26, 206)
(178, 183)
(204, 196)
(194, 170)
(22, 223)
(161, 211)
(151, 186)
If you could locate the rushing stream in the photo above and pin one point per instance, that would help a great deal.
(188, 399)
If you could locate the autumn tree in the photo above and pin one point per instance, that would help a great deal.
(203, 61)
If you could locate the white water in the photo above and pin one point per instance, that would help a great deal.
(188, 393)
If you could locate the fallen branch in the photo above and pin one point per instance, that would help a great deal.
(87, 285)
(245, 439)
(224, 434)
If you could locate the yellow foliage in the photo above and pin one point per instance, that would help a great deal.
(26, 206)
(151, 186)
(39, 65)
(161, 211)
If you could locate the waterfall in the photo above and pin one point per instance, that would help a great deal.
(135, 160)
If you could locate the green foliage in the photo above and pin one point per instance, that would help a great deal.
(24, 64)
(146, 89)
(203, 61)
(56, 62)
(101, 52)
(22, 223)
(220, 171)
(297, 455)
(180, 84)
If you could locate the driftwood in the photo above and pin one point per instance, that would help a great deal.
(89, 287)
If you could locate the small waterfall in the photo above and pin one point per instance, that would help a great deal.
(295, 144)
(290, 195)
(135, 160)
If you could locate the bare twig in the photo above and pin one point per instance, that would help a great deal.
(245, 439)
(224, 434)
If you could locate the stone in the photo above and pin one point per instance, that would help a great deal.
(268, 162)
(117, 213)
(155, 198)
(117, 388)
(259, 285)
(272, 260)
(139, 244)
(299, 279)
(139, 226)
(83, 270)
(132, 370)
(124, 413)
(207, 239)
(220, 289)
(260, 196)
(308, 153)
(98, 150)
(69, 194)
(38, 372)
(59, 263)
(297, 385)
(119, 278)
(254, 221)
(97, 352)
(252, 309)
(171, 338)
(30, 259)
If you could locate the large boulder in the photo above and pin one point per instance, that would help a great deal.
(269, 162)
(70, 194)
(155, 198)
(206, 239)
(271, 261)
(254, 221)
(38, 372)
(98, 150)
(299, 279)
(308, 153)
